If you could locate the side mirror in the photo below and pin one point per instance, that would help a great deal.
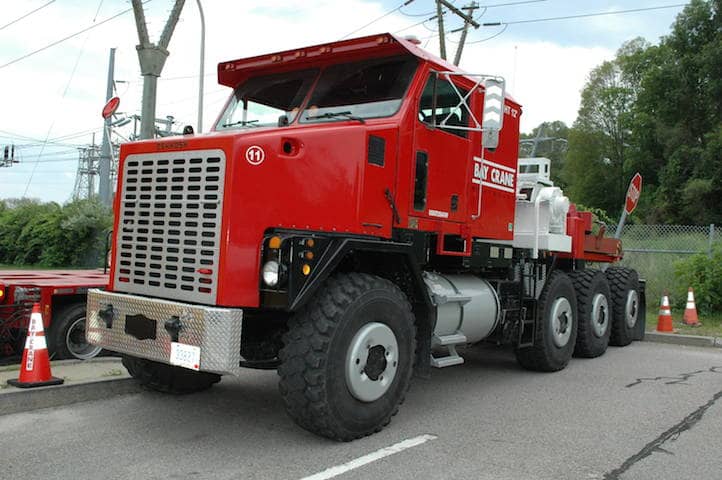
(493, 116)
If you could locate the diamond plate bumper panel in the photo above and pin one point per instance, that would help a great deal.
(217, 331)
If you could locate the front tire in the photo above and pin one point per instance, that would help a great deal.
(348, 357)
(168, 378)
(556, 327)
(66, 335)
(624, 285)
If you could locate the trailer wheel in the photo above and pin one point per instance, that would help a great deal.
(594, 312)
(556, 327)
(348, 357)
(66, 334)
(626, 305)
(168, 378)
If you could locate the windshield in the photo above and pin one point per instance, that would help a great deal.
(368, 89)
(268, 100)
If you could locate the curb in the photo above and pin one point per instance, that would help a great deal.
(25, 400)
(679, 339)
(95, 386)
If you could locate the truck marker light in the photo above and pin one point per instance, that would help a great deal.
(308, 255)
(306, 269)
(2, 293)
(310, 243)
(274, 242)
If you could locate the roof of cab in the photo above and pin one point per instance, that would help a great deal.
(233, 72)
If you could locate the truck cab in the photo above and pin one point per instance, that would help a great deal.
(350, 220)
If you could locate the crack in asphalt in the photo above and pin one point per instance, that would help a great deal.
(672, 434)
(679, 379)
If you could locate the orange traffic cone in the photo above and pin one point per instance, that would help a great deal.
(35, 368)
(664, 321)
(690, 312)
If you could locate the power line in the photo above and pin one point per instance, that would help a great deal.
(26, 15)
(407, 2)
(583, 15)
(65, 92)
(68, 37)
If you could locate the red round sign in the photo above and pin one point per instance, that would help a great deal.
(633, 193)
(110, 107)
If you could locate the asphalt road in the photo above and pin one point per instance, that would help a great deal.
(647, 411)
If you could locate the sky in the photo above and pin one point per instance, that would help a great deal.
(51, 100)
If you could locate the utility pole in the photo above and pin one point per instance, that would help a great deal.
(470, 9)
(104, 187)
(467, 20)
(152, 58)
(442, 40)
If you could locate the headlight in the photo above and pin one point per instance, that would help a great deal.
(271, 271)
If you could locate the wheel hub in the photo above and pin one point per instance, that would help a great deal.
(600, 315)
(376, 362)
(631, 308)
(371, 362)
(561, 324)
(77, 345)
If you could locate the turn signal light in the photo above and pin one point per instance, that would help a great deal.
(274, 242)
(306, 269)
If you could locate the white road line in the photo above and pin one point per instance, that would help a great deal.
(371, 457)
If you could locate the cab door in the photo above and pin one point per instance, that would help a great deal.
(442, 153)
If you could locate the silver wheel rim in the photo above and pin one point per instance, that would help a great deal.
(76, 342)
(371, 362)
(561, 321)
(600, 315)
(631, 308)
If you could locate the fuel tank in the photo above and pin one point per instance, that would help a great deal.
(466, 305)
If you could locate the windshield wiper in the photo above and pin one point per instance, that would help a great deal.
(346, 114)
(242, 123)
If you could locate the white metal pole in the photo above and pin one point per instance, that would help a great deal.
(200, 69)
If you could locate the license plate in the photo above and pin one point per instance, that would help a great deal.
(186, 356)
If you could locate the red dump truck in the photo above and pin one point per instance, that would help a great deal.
(356, 216)
(62, 298)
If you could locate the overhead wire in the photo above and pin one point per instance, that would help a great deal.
(57, 42)
(585, 15)
(26, 15)
(62, 98)
(406, 3)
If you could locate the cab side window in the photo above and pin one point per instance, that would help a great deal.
(446, 113)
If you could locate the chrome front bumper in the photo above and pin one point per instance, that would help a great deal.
(216, 331)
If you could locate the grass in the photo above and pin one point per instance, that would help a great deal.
(711, 324)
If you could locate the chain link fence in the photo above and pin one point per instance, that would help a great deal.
(655, 250)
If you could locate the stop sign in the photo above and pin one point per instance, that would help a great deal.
(110, 107)
(633, 193)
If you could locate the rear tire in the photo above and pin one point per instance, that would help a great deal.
(168, 378)
(66, 334)
(626, 307)
(348, 356)
(594, 313)
(556, 327)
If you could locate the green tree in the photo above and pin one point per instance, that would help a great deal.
(598, 143)
(678, 118)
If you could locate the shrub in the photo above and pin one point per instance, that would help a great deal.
(704, 275)
(50, 235)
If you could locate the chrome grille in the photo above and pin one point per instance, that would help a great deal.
(169, 228)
